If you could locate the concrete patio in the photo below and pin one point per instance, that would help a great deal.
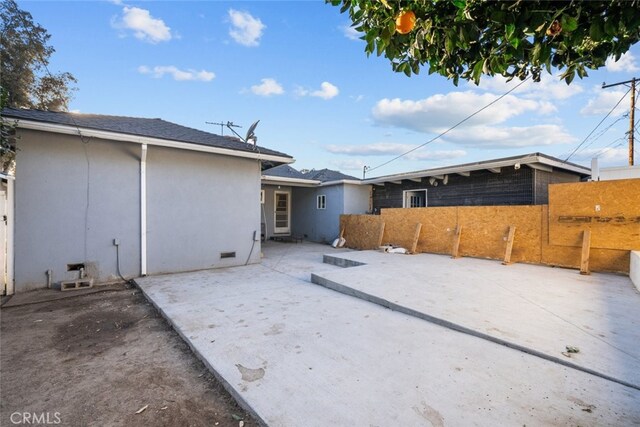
(295, 353)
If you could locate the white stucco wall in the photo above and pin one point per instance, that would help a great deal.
(73, 198)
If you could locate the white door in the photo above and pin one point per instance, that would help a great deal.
(282, 213)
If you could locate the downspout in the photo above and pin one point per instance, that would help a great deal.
(143, 210)
(10, 234)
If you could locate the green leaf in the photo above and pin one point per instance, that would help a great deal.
(568, 23)
(509, 29)
(595, 31)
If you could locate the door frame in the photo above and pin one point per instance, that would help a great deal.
(276, 229)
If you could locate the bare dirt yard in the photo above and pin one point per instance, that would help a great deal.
(98, 359)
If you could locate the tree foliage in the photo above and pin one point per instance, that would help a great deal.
(24, 57)
(470, 38)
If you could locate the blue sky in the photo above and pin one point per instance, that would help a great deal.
(297, 67)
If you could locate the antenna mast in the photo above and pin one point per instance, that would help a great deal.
(222, 125)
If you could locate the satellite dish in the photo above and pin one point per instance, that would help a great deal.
(250, 132)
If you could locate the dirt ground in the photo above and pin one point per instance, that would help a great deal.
(97, 359)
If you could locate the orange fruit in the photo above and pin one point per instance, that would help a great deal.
(405, 21)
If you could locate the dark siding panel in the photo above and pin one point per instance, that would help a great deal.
(543, 179)
(481, 188)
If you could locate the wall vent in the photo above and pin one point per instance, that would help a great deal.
(75, 267)
(227, 254)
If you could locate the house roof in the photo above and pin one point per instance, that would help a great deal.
(285, 174)
(533, 160)
(284, 171)
(133, 127)
(325, 175)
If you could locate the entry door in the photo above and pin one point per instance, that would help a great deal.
(282, 214)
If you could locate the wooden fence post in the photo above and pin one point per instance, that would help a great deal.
(586, 248)
(507, 253)
(416, 236)
(456, 243)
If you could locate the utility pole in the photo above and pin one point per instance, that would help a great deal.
(631, 114)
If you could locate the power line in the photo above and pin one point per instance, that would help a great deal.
(601, 133)
(597, 126)
(448, 130)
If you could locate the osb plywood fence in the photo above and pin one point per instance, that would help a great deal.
(591, 226)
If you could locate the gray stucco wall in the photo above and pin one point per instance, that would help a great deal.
(200, 205)
(318, 225)
(323, 225)
(73, 198)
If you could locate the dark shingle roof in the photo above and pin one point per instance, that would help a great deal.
(154, 128)
(325, 175)
(284, 171)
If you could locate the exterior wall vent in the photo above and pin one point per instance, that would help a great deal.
(75, 267)
(227, 254)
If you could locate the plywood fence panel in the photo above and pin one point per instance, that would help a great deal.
(486, 229)
(438, 227)
(361, 231)
(610, 209)
(610, 260)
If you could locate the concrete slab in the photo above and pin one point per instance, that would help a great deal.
(298, 354)
(536, 308)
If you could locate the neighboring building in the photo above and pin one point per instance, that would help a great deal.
(613, 173)
(521, 180)
(309, 205)
(171, 197)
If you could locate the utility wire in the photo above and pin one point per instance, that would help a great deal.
(451, 128)
(602, 132)
(597, 126)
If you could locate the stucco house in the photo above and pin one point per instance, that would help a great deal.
(518, 180)
(308, 205)
(104, 196)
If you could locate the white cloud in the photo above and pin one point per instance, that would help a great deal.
(350, 32)
(144, 26)
(375, 149)
(394, 149)
(327, 91)
(508, 137)
(604, 101)
(268, 87)
(438, 112)
(626, 63)
(550, 87)
(349, 164)
(606, 156)
(435, 155)
(177, 74)
(246, 30)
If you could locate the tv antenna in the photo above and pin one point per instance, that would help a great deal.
(250, 133)
(222, 125)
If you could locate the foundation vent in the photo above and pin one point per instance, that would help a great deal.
(227, 254)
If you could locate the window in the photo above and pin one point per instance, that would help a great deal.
(262, 197)
(322, 202)
(414, 199)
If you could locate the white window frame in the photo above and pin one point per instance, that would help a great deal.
(321, 201)
(407, 194)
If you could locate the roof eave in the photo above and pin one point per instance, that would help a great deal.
(525, 160)
(116, 136)
(294, 182)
